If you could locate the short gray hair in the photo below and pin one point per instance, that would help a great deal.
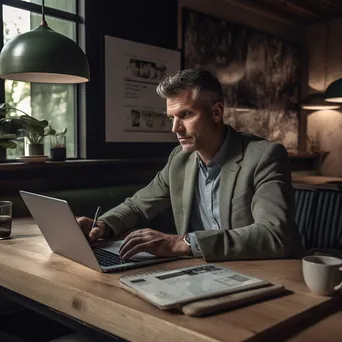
(198, 79)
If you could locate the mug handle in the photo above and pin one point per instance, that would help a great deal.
(339, 286)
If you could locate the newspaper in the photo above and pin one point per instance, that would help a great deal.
(171, 288)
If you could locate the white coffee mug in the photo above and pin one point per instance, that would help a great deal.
(322, 274)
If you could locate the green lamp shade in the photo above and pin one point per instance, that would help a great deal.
(316, 101)
(43, 56)
(334, 91)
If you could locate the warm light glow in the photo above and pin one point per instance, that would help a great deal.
(239, 109)
(316, 101)
(242, 109)
(321, 107)
(334, 99)
(40, 77)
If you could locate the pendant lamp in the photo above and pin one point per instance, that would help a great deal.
(317, 101)
(334, 91)
(43, 56)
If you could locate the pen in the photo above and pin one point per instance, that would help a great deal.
(97, 214)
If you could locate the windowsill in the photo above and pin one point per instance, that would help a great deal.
(85, 173)
(17, 165)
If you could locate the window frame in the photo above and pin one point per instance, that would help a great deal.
(80, 39)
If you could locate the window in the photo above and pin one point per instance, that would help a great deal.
(53, 102)
(62, 5)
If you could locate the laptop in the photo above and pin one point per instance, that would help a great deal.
(64, 236)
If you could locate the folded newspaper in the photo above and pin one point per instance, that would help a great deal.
(174, 288)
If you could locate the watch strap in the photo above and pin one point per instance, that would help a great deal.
(186, 239)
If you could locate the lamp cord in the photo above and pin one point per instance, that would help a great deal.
(326, 54)
(43, 22)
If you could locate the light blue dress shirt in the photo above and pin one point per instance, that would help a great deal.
(205, 212)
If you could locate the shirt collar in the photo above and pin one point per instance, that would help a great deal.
(221, 155)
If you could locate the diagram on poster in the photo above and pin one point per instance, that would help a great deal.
(134, 110)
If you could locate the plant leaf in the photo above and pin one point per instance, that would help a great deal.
(7, 136)
(3, 109)
(8, 144)
(50, 131)
(31, 121)
(11, 124)
(21, 133)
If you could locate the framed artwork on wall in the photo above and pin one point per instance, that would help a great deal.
(134, 110)
(259, 73)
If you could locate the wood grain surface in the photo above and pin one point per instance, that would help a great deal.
(28, 267)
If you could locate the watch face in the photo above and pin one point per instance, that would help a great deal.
(187, 239)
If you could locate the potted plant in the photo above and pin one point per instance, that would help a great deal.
(58, 145)
(26, 126)
(9, 133)
(36, 131)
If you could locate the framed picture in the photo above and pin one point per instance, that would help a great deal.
(134, 110)
(259, 73)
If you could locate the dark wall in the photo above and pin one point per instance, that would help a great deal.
(146, 21)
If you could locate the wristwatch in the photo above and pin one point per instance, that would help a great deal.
(186, 239)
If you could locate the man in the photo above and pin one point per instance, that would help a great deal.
(230, 192)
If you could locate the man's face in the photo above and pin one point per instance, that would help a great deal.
(193, 120)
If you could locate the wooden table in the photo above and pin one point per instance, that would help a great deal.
(30, 269)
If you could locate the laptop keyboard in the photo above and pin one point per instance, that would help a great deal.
(106, 258)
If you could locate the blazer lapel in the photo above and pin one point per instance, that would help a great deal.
(188, 192)
(229, 173)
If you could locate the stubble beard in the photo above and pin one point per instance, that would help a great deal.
(189, 145)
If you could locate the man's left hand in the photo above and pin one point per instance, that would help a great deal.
(153, 242)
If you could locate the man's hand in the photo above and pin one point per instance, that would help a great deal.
(153, 242)
(91, 233)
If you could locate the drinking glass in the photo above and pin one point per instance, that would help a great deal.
(5, 219)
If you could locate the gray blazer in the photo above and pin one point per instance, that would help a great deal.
(256, 201)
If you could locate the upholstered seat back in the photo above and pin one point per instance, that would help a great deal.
(326, 228)
(305, 202)
(319, 217)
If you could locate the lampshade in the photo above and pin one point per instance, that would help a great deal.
(334, 91)
(44, 56)
(316, 101)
